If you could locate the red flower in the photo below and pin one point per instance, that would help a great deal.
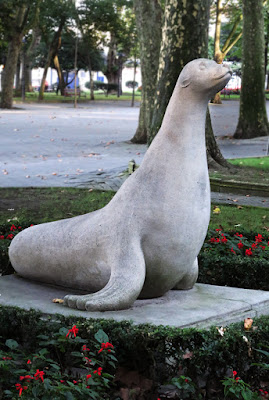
(237, 379)
(2, 237)
(254, 245)
(29, 362)
(212, 240)
(98, 371)
(26, 377)
(224, 239)
(248, 252)
(217, 240)
(73, 331)
(262, 247)
(13, 228)
(259, 238)
(238, 234)
(20, 388)
(62, 381)
(75, 382)
(19, 227)
(234, 373)
(88, 376)
(186, 380)
(218, 230)
(39, 374)
(232, 250)
(240, 245)
(6, 358)
(10, 236)
(88, 361)
(85, 348)
(106, 345)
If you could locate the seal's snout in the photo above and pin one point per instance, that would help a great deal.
(227, 66)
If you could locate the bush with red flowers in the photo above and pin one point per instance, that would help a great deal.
(235, 259)
(80, 373)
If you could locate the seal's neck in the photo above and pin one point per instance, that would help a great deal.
(185, 115)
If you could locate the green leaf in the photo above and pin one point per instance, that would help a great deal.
(55, 366)
(69, 396)
(47, 384)
(43, 337)
(11, 344)
(101, 336)
(76, 354)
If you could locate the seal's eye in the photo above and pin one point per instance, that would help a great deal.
(202, 65)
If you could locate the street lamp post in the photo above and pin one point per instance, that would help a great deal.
(23, 70)
(76, 59)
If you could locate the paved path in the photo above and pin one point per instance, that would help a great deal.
(57, 145)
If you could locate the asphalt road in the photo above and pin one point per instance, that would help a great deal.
(57, 145)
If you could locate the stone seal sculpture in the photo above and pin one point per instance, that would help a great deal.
(146, 240)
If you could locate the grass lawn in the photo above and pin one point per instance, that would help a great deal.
(37, 205)
(261, 163)
(247, 170)
(32, 97)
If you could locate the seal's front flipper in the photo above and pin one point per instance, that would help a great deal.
(125, 284)
(189, 279)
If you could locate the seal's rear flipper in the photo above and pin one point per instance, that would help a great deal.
(123, 288)
(188, 280)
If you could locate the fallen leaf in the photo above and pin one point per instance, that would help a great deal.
(235, 200)
(27, 176)
(221, 330)
(248, 323)
(216, 210)
(239, 207)
(60, 301)
(54, 173)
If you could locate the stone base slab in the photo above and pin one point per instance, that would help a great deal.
(202, 306)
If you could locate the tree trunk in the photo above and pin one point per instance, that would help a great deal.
(18, 77)
(53, 50)
(218, 55)
(215, 159)
(148, 15)
(21, 16)
(57, 66)
(36, 37)
(252, 117)
(28, 77)
(91, 79)
(9, 70)
(184, 38)
(112, 69)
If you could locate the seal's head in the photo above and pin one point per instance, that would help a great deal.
(204, 76)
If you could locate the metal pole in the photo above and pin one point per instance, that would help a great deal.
(76, 56)
(23, 74)
(133, 94)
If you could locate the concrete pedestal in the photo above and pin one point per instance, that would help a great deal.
(202, 306)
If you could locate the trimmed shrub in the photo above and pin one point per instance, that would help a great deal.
(157, 353)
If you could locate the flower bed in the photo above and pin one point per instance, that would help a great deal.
(235, 259)
(62, 367)
(51, 360)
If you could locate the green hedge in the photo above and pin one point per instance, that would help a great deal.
(158, 353)
(217, 264)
